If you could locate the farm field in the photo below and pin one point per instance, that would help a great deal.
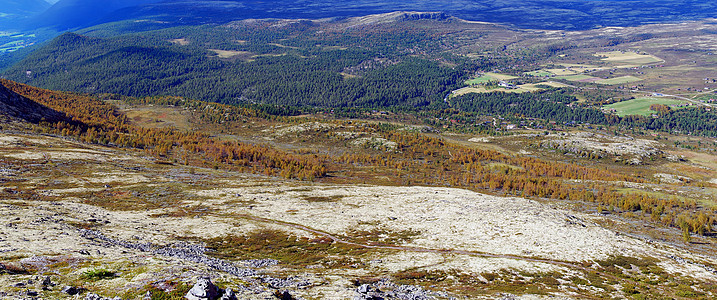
(619, 80)
(554, 72)
(468, 90)
(488, 77)
(539, 73)
(580, 66)
(640, 106)
(628, 59)
(581, 78)
(563, 72)
(531, 87)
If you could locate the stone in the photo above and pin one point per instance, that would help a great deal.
(93, 296)
(47, 282)
(228, 295)
(70, 290)
(283, 295)
(204, 289)
(364, 288)
(368, 292)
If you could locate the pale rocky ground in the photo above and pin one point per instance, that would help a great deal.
(453, 229)
(635, 150)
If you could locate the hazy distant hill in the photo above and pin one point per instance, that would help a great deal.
(545, 14)
(13, 12)
(23, 7)
(70, 14)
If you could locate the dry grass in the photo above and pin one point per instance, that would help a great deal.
(628, 59)
(232, 54)
(181, 42)
(292, 251)
(563, 72)
(158, 117)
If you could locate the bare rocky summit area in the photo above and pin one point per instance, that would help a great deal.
(87, 222)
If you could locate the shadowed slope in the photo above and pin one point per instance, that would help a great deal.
(19, 107)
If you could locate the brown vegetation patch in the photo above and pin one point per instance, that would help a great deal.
(181, 42)
(231, 54)
(380, 236)
(291, 250)
(332, 198)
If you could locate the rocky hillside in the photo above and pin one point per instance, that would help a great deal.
(99, 212)
(92, 222)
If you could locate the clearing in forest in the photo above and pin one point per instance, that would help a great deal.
(641, 106)
(231, 53)
(488, 77)
(539, 73)
(531, 87)
(157, 117)
(181, 42)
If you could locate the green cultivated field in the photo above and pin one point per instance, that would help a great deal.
(488, 77)
(479, 80)
(640, 106)
(539, 73)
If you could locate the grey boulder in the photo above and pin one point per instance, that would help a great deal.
(204, 289)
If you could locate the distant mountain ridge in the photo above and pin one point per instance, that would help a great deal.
(15, 12)
(71, 14)
(538, 14)
(23, 7)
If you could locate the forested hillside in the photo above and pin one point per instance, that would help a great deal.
(553, 106)
(348, 66)
(299, 75)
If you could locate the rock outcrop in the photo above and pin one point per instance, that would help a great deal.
(204, 289)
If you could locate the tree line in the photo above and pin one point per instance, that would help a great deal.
(96, 121)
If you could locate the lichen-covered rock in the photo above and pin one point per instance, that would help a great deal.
(228, 295)
(93, 296)
(284, 295)
(70, 290)
(204, 289)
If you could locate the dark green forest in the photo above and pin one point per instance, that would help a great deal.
(299, 72)
(302, 67)
(552, 105)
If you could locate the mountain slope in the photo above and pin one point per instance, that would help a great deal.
(68, 14)
(17, 107)
(23, 7)
(543, 14)
(13, 12)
